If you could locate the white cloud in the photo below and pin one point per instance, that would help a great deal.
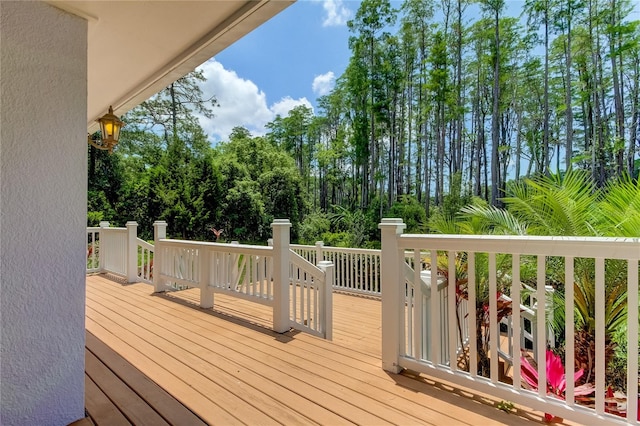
(241, 102)
(337, 13)
(286, 104)
(323, 84)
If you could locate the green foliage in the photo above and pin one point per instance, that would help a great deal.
(571, 205)
(98, 208)
(243, 213)
(338, 239)
(506, 406)
(617, 368)
(351, 225)
(411, 212)
(618, 212)
(266, 178)
(313, 228)
(94, 218)
(281, 191)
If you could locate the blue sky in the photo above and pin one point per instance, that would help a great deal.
(290, 60)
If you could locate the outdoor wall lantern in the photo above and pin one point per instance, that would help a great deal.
(110, 126)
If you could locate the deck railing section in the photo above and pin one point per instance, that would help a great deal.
(93, 249)
(298, 291)
(113, 247)
(145, 253)
(494, 263)
(311, 296)
(243, 271)
(356, 270)
(119, 251)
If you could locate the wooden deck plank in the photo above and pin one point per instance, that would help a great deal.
(381, 391)
(259, 364)
(335, 381)
(184, 392)
(308, 364)
(168, 407)
(135, 409)
(353, 347)
(100, 408)
(227, 397)
(301, 378)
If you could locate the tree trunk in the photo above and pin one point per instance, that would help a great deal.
(495, 116)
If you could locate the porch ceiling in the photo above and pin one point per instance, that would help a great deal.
(136, 48)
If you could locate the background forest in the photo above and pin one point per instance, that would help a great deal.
(444, 104)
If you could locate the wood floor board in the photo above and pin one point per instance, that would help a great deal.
(242, 333)
(101, 409)
(221, 389)
(228, 367)
(288, 374)
(303, 367)
(135, 409)
(339, 352)
(342, 371)
(184, 392)
(168, 407)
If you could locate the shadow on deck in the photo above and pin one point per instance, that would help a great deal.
(160, 359)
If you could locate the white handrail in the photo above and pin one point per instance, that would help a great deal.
(407, 327)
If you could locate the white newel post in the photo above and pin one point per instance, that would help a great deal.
(132, 251)
(206, 292)
(159, 232)
(103, 247)
(319, 252)
(281, 233)
(327, 309)
(390, 289)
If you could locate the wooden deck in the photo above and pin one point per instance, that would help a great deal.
(227, 367)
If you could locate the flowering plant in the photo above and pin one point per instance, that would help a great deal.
(556, 380)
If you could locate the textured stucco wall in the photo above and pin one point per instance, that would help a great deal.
(43, 104)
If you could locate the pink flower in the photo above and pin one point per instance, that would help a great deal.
(556, 380)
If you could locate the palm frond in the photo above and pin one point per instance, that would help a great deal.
(619, 208)
(497, 220)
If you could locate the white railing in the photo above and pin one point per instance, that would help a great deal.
(408, 330)
(356, 270)
(113, 248)
(115, 251)
(243, 271)
(145, 253)
(298, 292)
(311, 296)
(93, 250)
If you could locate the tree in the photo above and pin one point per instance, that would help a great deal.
(371, 19)
(175, 106)
(259, 182)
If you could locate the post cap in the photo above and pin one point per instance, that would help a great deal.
(388, 222)
(281, 222)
